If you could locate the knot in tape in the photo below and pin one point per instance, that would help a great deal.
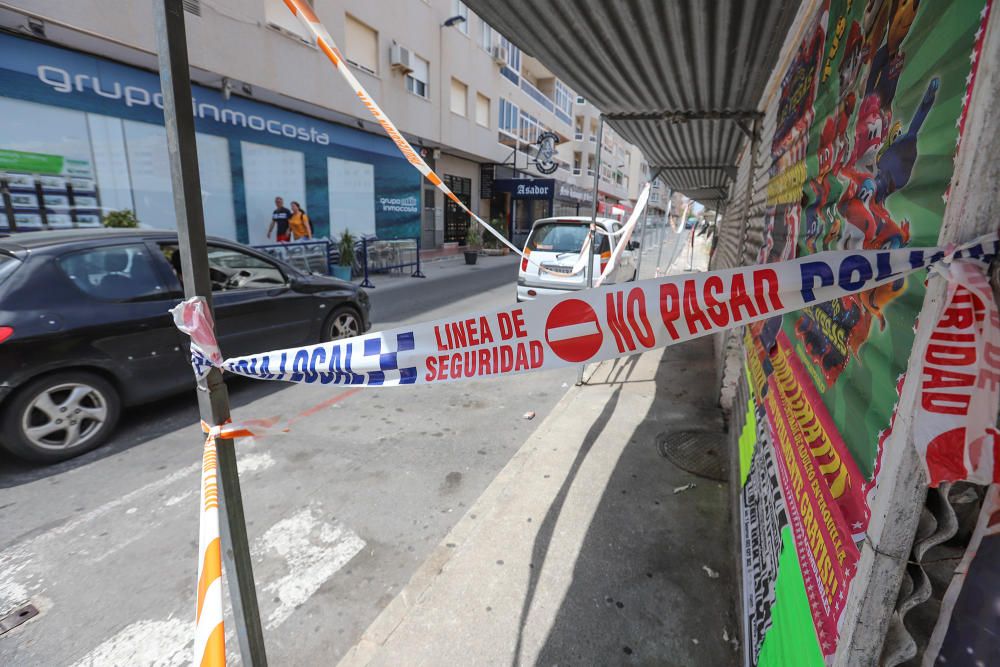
(227, 430)
(942, 267)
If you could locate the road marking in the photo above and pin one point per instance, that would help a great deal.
(313, 551)
(155, 643)
(22, 565)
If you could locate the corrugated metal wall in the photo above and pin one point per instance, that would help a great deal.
(740, 238)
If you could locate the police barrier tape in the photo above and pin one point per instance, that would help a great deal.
(304, 12)
(955, 426)
(618, 320)
(592, 325)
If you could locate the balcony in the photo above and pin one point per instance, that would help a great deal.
(537, 95)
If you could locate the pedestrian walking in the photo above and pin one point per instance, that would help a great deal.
(279, 220)
(299, 224)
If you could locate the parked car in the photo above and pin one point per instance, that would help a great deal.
(554, 244)
(84, 327)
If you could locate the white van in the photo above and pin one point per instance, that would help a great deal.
(555, 244)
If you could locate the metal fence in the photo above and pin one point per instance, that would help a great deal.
(312, 256)
(390, 255)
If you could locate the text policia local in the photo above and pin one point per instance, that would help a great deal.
(582, 326)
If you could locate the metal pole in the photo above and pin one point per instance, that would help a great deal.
(666, 221)
(366, 282)
(642, 227)
(213, 400)
(417, 273)
(593, 221)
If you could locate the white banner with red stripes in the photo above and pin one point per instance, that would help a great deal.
(955, 425)
(585, 326)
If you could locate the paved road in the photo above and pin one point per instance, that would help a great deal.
(341, 510)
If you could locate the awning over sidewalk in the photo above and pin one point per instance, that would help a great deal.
(679, 79)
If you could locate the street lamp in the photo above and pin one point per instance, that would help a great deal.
(454, 20)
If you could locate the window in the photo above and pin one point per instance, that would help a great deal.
(529, 128)
(269, 172)
(508, 117)
(231, 269)
(277, 16)
(564, 100)
(513, 54)
(118, 273)
(459, 98)
(580, 100)
(482, 110)
(416, 81)
(487, 36)
(362, 45)
(459, 9)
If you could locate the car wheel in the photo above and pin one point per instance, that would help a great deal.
(344, 322)
(59, 416)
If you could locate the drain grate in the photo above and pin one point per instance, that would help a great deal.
(698, 452)
(15, 618)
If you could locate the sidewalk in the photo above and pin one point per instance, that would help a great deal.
(441, 268)
(580, 551)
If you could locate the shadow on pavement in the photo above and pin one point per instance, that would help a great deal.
(639, 593)
(139, 424)
(544, 536)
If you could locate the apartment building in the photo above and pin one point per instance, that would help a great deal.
(82, 130)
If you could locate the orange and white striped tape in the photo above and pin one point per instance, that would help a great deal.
(305, 14)
(210, 640)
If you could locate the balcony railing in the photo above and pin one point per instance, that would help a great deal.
(537, 95)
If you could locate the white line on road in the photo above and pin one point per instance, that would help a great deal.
(154, 643)
(313, 550)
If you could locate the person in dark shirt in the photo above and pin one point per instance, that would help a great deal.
(279, 219)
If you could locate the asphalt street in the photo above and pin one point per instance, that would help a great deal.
(341, 510)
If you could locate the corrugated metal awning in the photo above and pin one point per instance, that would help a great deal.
(677, 78)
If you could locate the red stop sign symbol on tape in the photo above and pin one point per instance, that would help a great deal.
(573, 331)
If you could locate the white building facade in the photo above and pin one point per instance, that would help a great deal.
(82, 130)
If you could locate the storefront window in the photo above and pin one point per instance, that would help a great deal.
(149, 169)
(270, 172)
(352, 197)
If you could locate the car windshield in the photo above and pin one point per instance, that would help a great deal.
(8, 264)
(561, 237)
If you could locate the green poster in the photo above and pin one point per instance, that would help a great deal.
(791, 640)
(32, 163)
(879, 162)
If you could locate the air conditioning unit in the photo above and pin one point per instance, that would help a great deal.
(499, 53)
(401, 59)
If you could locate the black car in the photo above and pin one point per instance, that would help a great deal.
(84, 327)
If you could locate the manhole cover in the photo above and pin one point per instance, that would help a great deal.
(697, 452)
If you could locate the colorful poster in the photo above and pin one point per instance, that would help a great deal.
(867, 126)
(888, 106)
(762, 515)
